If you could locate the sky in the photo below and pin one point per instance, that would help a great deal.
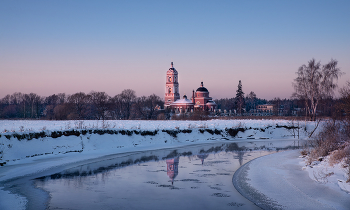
(50, 47)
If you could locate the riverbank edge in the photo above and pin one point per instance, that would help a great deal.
(240, 182)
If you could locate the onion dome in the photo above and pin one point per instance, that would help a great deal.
(202, 89)
(183, 101)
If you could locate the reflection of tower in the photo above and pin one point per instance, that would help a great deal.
(202, 157)
(240, 155)
(172, 169)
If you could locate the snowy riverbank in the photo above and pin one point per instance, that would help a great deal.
(279, 181)
(22, 140)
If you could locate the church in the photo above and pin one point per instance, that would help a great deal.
(200, 99)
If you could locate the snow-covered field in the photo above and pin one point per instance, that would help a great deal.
(65, 142)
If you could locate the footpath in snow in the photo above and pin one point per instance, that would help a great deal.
(278, 181)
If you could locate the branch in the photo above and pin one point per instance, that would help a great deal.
(312, 132)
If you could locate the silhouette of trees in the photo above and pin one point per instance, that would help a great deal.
(79, 103)
(81, 106)
(55, 107)
(147, 107)
(127, 98)
(251, 101)
(99, 104)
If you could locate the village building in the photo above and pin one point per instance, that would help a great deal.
(200, 98)
(265, 108)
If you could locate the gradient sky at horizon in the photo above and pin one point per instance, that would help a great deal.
(50, 47)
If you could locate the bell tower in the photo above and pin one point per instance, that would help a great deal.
(171, 86)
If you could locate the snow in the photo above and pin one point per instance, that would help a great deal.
(16, 151)
(279, 181)
(11, 201)
(25, 157)
(327, 174)
(10, 126)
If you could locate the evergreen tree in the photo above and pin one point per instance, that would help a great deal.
(239, 98)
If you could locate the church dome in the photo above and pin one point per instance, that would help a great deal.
(211, 103)
(202, 89)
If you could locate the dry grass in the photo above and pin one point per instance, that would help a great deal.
(340, 154)
(332, 140)
(304, 152)
(327, 140)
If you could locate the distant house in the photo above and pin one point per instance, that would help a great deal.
(265, 107)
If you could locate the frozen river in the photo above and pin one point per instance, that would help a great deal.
(191, 177)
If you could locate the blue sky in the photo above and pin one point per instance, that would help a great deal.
(49, 47)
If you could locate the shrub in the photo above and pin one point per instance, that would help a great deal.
(304, 152)
(340, 154)
(332, 140)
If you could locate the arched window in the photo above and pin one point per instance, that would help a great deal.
(169, 90)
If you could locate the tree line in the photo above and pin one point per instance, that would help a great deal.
(80, 106)
(126, 106)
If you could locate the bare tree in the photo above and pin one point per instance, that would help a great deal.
(33, 101)
(99, 101)
(146, 107)
(345, 106)
(127, 98)
(79, 102)
(277, 103)
(251, 101)
(315, 82)
(116, 107)
(51, 102)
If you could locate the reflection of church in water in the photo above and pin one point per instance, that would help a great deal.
(172, 166)
(200, 99)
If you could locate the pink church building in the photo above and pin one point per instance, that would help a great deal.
(200, 99)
